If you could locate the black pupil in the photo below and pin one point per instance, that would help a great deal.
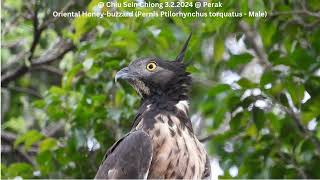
(150, 66)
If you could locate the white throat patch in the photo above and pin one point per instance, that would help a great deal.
(183, 106)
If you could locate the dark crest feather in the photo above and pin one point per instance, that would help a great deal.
(180, 57)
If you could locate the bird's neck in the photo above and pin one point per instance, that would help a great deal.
(151, 109)
(172, 99)
(164, 99)
(176, 90)
(167, 104)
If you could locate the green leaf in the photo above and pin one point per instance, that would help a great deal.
(298, 148)
(268, 77)
(119, 97)
(219, 116)
(55, 113)
(252, 131)
(310, 110)
(67, 83)
(39, 104)
(277, 89)
(217, 89)
(57, 91)
(296, 91)
(16, 124)
(112, 64)
(267, 31)
(92, 4)
(98, 100)
(218, 49)
(258, 117)
(236, 60)
(28, 139)
(17, 4)
(258, 5)
(307, 116)
(275, 58)
(315, 40)
(303, 59)
(239, 121)
(275, 123)
(246, 83)
(82, 24)
(94, 72)
(192, 69)
(47, 145)
(20, 169)
(45, 159)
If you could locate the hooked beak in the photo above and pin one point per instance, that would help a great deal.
(122, 74)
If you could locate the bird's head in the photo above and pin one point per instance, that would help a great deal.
(154, 77)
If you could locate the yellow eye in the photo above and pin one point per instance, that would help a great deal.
(151, 66)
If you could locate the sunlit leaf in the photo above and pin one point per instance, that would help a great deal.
(237, 60)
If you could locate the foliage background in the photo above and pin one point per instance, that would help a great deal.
(255, 99)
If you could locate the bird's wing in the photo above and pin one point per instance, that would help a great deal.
(128, 158)
(207, 169)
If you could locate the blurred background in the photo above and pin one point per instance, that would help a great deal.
(255, 100)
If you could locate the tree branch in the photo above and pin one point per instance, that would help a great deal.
(36, 31)
(54, 129)
(258, 49)
(26, 91)
(222, 128)
(9, 138)
(57, 52)
(49, 69)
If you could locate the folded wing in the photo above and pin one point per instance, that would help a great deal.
(128, 158)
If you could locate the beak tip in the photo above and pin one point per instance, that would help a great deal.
(121, 74)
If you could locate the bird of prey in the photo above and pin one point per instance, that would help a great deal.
(161, 143)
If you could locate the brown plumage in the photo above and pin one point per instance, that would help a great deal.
(161, 143)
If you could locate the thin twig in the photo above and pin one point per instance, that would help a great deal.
(25, 91)
(295, 165)
(48, 21)
(36, 31)
(222, 128)
(49, 69)
(53, 129)
(26, 156)
(297, 121)
(251, 36)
